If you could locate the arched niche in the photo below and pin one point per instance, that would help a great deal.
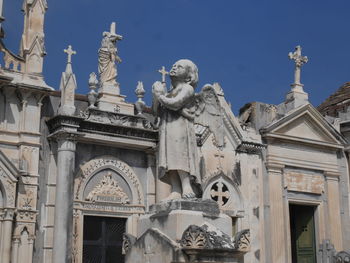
(103, 170)
(226, 193)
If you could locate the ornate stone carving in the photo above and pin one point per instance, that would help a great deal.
(194, 237)
(242, 240)
(9, 187)
(89, 169)
(178, 162)
(128, 241)
(342, 257)
(209, 113)
(108, 190)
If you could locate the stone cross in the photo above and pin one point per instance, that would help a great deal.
(163, 72)
(220, 194)
(299, 61)
(70, 52)
(113, 33)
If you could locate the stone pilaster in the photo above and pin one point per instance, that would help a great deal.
(334, 219)
(64, 199)
(276, 215)
(151, 181)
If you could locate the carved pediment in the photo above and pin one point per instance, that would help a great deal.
(305, 124)
(305, 127)
(108, 190)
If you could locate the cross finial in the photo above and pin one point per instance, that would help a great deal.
(163, 72)
(70, 52)
(299, 61)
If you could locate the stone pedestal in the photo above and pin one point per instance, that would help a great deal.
(109, 99)
(183, 231)
(296, 98)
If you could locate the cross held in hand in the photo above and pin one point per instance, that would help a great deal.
(163, 72)
(113, 34)
(70, 52)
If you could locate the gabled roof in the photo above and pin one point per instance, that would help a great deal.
(306, 125)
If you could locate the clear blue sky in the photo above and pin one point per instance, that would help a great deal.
(242, 44)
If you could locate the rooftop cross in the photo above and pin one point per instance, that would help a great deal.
(70, 52)
(299, 61)
(164, 73)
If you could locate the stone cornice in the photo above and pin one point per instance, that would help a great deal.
(251, 147)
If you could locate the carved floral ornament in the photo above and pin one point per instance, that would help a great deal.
(108, 190)
(91, 168)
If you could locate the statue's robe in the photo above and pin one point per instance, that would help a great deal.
(177, 139)
(106, 63)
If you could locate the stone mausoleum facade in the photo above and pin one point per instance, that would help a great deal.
(88, 177)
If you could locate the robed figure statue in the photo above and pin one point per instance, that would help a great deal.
(107, 57)
(178, 157)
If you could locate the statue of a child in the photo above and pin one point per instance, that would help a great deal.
(178, 157)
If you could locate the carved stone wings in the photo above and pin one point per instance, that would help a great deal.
(209, 113)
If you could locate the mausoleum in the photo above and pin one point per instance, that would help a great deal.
(98, 178)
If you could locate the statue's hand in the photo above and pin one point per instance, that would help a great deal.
(158, 89)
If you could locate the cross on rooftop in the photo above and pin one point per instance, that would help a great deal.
(299, 61)
(70, 52)
(163, 72)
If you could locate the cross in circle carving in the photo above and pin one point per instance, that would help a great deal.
(299, 61)
(220, 193)
(163, 72)
(70, 53)
(148, 253)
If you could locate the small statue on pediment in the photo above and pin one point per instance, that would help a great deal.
(108, 57)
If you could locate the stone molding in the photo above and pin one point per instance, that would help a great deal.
(88, 170)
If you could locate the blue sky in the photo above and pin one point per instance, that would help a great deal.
(243, 45)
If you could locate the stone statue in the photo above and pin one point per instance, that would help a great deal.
(108, 56)
(178, 157)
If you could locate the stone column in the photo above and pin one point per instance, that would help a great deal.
(15, 246)
(64, 200)
(7, 236)
(276, 215)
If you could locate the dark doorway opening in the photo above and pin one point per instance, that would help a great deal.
(302, 230)
(103, 238)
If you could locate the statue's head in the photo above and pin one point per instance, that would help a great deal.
(184, 70)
